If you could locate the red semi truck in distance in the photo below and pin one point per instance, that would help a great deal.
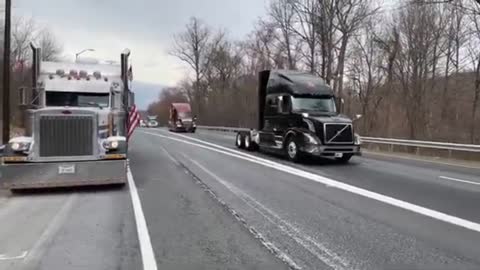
(181, 118)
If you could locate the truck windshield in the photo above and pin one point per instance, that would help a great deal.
(326, 105)
(185, 114)
(77, 99)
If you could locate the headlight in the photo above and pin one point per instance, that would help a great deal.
(310, 139)
(20, 144)
(112, 143)
(357, 139)
(311, 127)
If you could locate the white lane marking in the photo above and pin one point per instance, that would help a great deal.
(148, 257)
(459, 180)
(331, 259)
(5, 257)
(47, 236)
(169, 156)
(340, 185)
(370, 152)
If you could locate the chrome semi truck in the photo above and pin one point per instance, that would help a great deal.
(299, 116)
(75, 126)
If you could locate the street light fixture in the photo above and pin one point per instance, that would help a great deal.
(86, 50)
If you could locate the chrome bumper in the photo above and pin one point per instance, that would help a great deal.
(331, 150)
(62, 174)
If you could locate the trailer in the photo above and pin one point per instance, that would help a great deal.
(181, 119)
(299, 117)
(75, 126)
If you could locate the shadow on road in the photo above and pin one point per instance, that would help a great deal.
(308, 161)
(67, 190)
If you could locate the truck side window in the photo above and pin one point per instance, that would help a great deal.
(285, 105)
(272, 105)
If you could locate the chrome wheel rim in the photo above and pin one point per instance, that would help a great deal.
(247, 142)
(292, 149)
(239, 140)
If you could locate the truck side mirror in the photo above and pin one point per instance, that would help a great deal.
(340, 104)
(22, 96)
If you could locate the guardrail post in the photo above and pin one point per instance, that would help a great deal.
(390, 148)
(418, 151)
(449, 153)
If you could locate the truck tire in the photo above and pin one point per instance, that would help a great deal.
(239, 140)
(345, 158)
(247, 142)
(292, 150)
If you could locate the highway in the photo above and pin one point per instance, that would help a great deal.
(207, 205)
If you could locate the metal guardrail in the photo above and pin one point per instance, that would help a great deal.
(386, 141)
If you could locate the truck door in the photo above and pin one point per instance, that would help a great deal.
(267, 136)
(284, 114)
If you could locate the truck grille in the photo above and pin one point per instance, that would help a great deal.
(66, 136)
(338, 134)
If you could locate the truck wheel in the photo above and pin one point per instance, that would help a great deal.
(248, 142)
(292, 150)
(345, 158)
(239, 141)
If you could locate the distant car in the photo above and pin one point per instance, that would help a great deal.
(142, 123)
(152, 123)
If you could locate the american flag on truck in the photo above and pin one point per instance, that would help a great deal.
(133, 120)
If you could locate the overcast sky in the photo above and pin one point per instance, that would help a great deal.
(144, 26)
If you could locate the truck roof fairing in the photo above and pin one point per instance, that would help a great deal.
(297, 83)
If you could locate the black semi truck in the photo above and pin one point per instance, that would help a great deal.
(298, 116)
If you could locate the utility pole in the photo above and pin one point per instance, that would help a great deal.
(6, 74)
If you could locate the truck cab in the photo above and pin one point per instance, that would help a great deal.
(181, 118)
(152, 121)
(298, 116)
(75, 126)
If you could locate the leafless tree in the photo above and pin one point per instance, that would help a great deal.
(326, 35)
(474, 53)
(306, 13)
(350, 14)
(51, 49)
(24, 31)
(260, 47)
(191, 47)
(366, 74)
(414, 62)
(283, 16)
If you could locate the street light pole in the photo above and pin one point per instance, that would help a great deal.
(86, 50)
(6, 74)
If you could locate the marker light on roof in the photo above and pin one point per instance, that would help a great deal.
(97, 75)
(60, 72)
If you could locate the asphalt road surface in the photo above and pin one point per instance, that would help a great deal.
(203, 204)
